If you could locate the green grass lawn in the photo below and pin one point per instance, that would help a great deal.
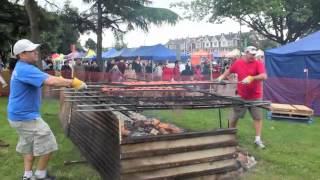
(293, 150)
(11, 167)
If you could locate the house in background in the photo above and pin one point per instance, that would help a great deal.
(224, 42)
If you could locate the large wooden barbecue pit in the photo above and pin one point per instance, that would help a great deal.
(102, 121)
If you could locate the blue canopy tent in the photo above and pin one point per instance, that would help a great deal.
(126, 52)
(123, 53)
(108, 53)
(75, 55)
(216, 55)
(156, 53)
(141, 51)
(294, 73)
(184, 56)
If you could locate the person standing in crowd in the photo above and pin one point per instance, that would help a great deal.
(251, 73)
(107, 74)
(187, 73)
(35, 136)
(12, 63)
(110, 64)
(2, 81)
(206, 70)
(66, 70)
(94, 72)
(137, 67)
(158, 72)
(176, 71)
(49, 66)
(130, 74)
(197, 73)
(87, 70)
(44, 65)
(121, 66)
(149, 69)
(115, 74)
(167, 73)
(78, 70)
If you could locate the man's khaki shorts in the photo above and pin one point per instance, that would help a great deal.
(239, 112)
(35, 137)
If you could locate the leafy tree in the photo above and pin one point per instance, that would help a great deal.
(115, 14)
(33, 12)
(91, 44)
(35, 15)
(65, 33)
(56, 30)
(254, 39)
(79, 47)
(13, 24)
(53, 28)
(282, 21)
(119, 44)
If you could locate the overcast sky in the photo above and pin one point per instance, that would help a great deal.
(163, 33)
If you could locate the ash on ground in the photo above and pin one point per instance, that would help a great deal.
(246, 160)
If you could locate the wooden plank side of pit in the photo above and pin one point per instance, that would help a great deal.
(192, 170)
(98, 141)
(96, 134)
(162, 145)
(176, 159)
(187, 155)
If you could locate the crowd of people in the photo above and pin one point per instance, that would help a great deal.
(116, 70)
(135, 70)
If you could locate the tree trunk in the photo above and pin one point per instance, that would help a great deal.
(33, 14)
(99, 37)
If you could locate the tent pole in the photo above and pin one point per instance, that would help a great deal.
(151, 70)
(211, 61)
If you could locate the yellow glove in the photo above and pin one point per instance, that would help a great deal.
(220, 78)
(247, 80)
(78, 84)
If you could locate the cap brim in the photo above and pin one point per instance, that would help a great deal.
(252, 52)
(32, 47)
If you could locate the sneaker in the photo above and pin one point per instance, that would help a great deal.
(48, 177)
(25, 178)
(259, 144)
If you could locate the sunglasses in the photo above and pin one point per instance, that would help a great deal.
(34, 51)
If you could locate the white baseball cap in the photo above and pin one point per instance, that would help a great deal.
(251, 49)
(24, 45)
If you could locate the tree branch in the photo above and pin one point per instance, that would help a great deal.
(52, 4)
(257, 25)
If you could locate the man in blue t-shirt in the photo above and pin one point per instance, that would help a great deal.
(35, 136)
